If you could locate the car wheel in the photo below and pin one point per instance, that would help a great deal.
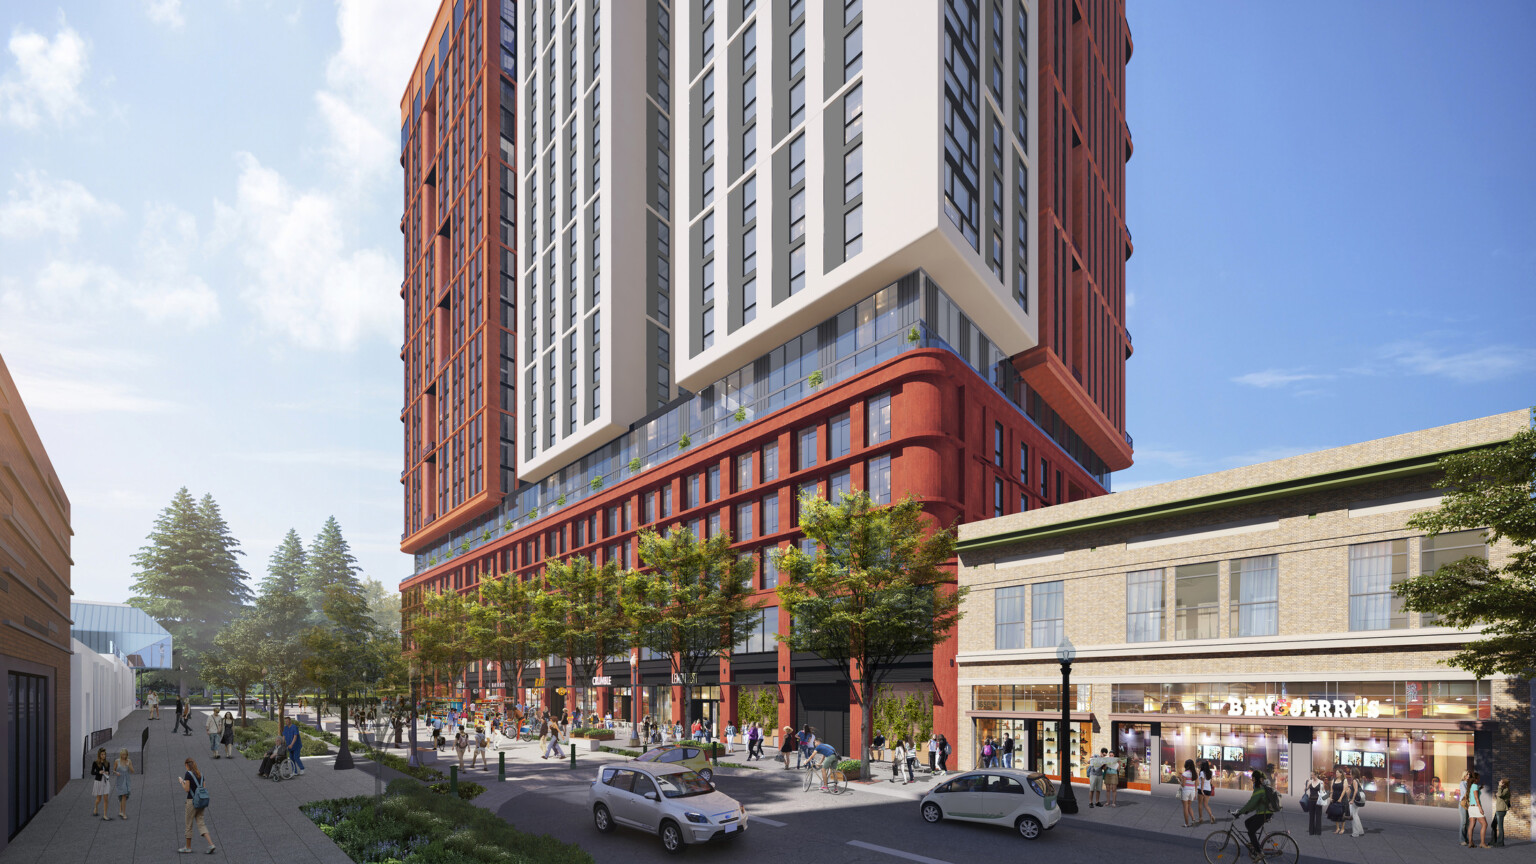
(1029, 827)
(707, 774)
(932, 813)
(672, 838)
(602, 818)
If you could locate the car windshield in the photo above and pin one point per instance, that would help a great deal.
(683, 784)
(648, 756)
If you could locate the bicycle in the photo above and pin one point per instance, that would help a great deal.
(1231, 842)
(837, 781)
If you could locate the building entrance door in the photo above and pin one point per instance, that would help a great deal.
(825, 707)
(28, 749)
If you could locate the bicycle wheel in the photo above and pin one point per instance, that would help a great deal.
(1222, 848)
(1280, 847)
(810, 780)
(839, 783)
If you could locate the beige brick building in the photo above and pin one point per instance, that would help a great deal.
(1245, 618)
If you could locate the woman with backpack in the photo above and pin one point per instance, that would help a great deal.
(987, 751)
(197, 804)
(944, 752)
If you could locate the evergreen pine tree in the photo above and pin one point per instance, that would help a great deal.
(189, 578)
(331, 564)
(286, 569)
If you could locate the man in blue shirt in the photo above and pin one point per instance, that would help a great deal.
(828, 756)
(295, 745)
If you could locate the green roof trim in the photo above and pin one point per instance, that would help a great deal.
(1406, 467)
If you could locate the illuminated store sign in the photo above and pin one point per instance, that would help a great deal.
(1279, 706)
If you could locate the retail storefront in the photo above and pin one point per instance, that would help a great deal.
(1031, 715)
(1408, 741)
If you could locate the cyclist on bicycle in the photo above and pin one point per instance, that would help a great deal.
(826, 759)
(1262, 804)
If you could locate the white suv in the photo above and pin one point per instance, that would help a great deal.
(667, 800)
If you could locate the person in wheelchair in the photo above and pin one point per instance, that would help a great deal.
(277, 753)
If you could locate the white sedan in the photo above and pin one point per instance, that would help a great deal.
(1023, 800)
(667, 800)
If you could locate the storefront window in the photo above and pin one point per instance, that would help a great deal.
(996, 728)
(1048, 745)
(1233, 752)
(1134, 741)
(1459, 700)
(1028, 697)
(1398, 766)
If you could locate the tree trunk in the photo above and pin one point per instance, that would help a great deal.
(344, 755)
(865, 705)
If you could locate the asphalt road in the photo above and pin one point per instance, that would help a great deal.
(795, 827)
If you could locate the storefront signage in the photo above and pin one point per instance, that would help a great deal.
(538, 682)
(684, 678)
(602, 680)
(1279, 706)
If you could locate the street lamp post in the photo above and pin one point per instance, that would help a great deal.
(1065, 798)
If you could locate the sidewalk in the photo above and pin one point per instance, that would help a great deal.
(251, 819)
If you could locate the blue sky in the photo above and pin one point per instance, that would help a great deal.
(201, 258)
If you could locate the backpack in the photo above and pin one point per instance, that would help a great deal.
(946, 750)
(1271, 799)
(986, 750)
(199, 793)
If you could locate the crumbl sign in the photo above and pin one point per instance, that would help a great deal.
(1276, 706)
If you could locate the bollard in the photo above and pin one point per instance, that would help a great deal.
(573, 753)
(453, 781)
(715, 752)
(501, 767)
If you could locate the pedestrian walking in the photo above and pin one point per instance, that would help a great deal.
(911, 762)
(730, 739)
(460, 744)
(214, 727)
(933, 752)
(1205, 789)
(944, 754)
(754, 742)
(554, 741)
(1311, 801)
(1501, 797)
(227, 738)
(154, 705)
(295, 743)
(197, 803)
(1477, 818)
(186, 719)
(806, 740)
(1189, 790)
(1007, 750)
(122, 771)
(101, 784)
(786, 744)
(987, 753)
(480, 742)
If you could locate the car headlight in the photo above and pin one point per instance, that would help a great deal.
(696, 817)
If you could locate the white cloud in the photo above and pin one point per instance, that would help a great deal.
(39, 205)
(304, 284)
(85, 377)
(46, 79)
(166, 12)
(380, 41)
(1480, 364)
(162, 288)
(1277, 378)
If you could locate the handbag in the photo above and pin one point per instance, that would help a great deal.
(199, 794)
(1307, 804)
(1336, 811)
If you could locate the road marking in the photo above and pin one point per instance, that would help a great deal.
(766, 821)
(897, 852)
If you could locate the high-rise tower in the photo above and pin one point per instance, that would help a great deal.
(774, 249)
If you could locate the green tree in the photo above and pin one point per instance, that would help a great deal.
(578, 616)
(383, 605)
(346, 656)
(874, 593)
(189, 577)
(1489, 488)
(330, 564)
(505, 631)
(235, 661)
(445, 640)
(693, 604)
(287, 567)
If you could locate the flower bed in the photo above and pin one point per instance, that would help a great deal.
(468, 791)
(593, 734)
(417, 826)
(255, 740)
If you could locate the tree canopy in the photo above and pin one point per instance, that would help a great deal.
(1490, 488)
(578, 615)
(189, 577)
(330, 564)
(874, 592)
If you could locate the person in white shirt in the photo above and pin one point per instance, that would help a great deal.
(214, 727)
